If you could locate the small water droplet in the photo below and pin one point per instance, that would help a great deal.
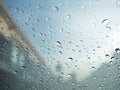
(37, 20)
(68, 17)
(88, 57)
(93, 67)
(33, 29)
(49, 27)
(84, 87)
(98, 46)
(16, 9)
(107, 55)
(99, 87)
(21, 12)
(81, 41)
(104, 78)
(106, 22)
(95, 77)
(112, 58)
(61, 29)
(111, 62)
(60, 52)
(117, 50)
(38, 6)
(47, 19)
(23, 67)
(118, 66)
(108, 28)
(55, 8)
(58, 43)
(15, 71)
(108, 66)
(58, 67)
(70, 58)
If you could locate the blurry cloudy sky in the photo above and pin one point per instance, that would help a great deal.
(78, 34)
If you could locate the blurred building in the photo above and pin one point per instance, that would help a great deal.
(20, 63)
(15, 44)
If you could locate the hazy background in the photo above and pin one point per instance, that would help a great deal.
(73, 36)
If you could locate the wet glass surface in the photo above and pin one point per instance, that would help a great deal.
(60, 45)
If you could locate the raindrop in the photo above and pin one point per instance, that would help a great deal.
(106, 22)
(81, 41)
(50, 32)
(108, 66)
(88, 57)
(112, 58)
(107, 55)
(61, 29)
(21, 12)
(95, 77)
(58, 67)
(28, 19)
(69, 75)
(26, 23)
(84, 87)
(111, 62)
(55, 8)
(117, 50)
(118, 66)
(68, 17)
(60, 52)
(108, 28)
(104, 78)
(93, 67)
(23, 67)
(16, 9)
(38, 6)
(70, 58)
(47, 19)
(49, 27)
(58, 43)
(33, 29)
(41, 34)
(37, 20)
(73, 83)
(15, 71)
(99, 87)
